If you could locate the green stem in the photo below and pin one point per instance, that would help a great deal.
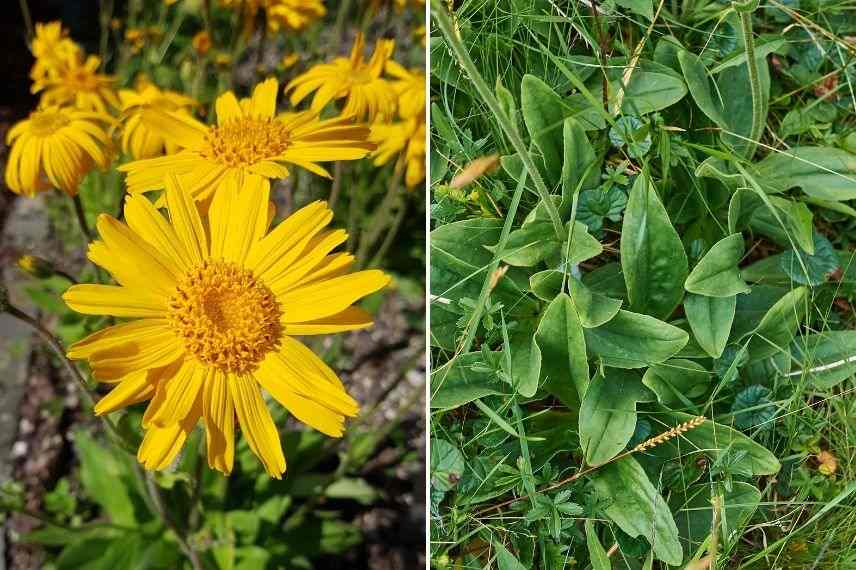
(745, 10)
(454, 42)
(28, 20)
(81, 218)
(157, 499)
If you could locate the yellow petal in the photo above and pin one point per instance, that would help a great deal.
(115, 301)
(152, 269)
(227, 108)
(181, 130)
(316, 250)
(331, 266)
(264, 99)
(257, 424)
(133, 388)
(185, 220)
(115, 336)
(143, 353)
(219, 414)
(324, 298)
(247, 219)
(307, 375)
(145, 220)
(180, 393)
(311, 413)
(352, 318)
(161, 444)
(277, 250)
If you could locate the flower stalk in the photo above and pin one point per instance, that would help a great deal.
(745, 10)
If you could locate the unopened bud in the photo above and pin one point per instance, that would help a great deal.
(36, 266)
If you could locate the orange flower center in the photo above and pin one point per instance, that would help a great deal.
(246, 141)
(227, 318)
(46, 123)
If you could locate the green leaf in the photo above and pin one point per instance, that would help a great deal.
(563, 351)
(631, 132)
(447, 464)
(597, 553)
(814, 269)
(821, 172)
(778, 326)
(579, 160)
(652, 255)
(505, 560)
(716, 274)
(637, 508)
(710, 320)
(462, 380)
(608, 414)
(593, 308)
(537, 241)
(714, 439)
(544, 115)
(107, 478)
(694, 511)
(752, 407)
(525, 362)
(827, 357)
(352, 488)
(653, 87)
(677, 380)
(631, 340)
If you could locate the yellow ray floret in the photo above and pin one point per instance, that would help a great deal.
(138, 139)
(405, 139)
(51, 46)
(217, 301)
(409, 86)
(248, 141)
(75, 81)
(56, 147)
(367, 94)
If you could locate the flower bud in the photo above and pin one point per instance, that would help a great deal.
(36, 266)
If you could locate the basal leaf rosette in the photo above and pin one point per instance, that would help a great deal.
(216, 301)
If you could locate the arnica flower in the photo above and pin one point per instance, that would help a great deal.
(77, 82)
(138, 139)
(406, 138)
(217, 301)
(293, 14)
(368, 94)
(247, 141)
(56, 147)
(409, 86)
(201, 42)
(51, 45)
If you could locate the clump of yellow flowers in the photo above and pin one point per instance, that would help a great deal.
(210, 292)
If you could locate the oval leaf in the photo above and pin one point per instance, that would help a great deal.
(631, 340)
(716, 274)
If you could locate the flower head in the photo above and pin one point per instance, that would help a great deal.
(217, 301)
(76, 81)
(51, 46)
(201, 42)
(248, 141)
(138, 139)
(367, 94)
(409, 86)
(407, 139)
(293, 14)
(56, 147)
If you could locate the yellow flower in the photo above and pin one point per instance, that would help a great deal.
(368, 95)
(828, 463)
(217, 302)
(201, 42)
(293, 14)
(137, 38)
(56, 147)
(289, 60)
(247, 141)
(51, 45)
(76, 81)
(410, 88)
(407, 136)
(138, 139)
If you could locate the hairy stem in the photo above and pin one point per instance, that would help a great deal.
(744, 11)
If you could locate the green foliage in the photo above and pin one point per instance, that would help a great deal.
(720, 285)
